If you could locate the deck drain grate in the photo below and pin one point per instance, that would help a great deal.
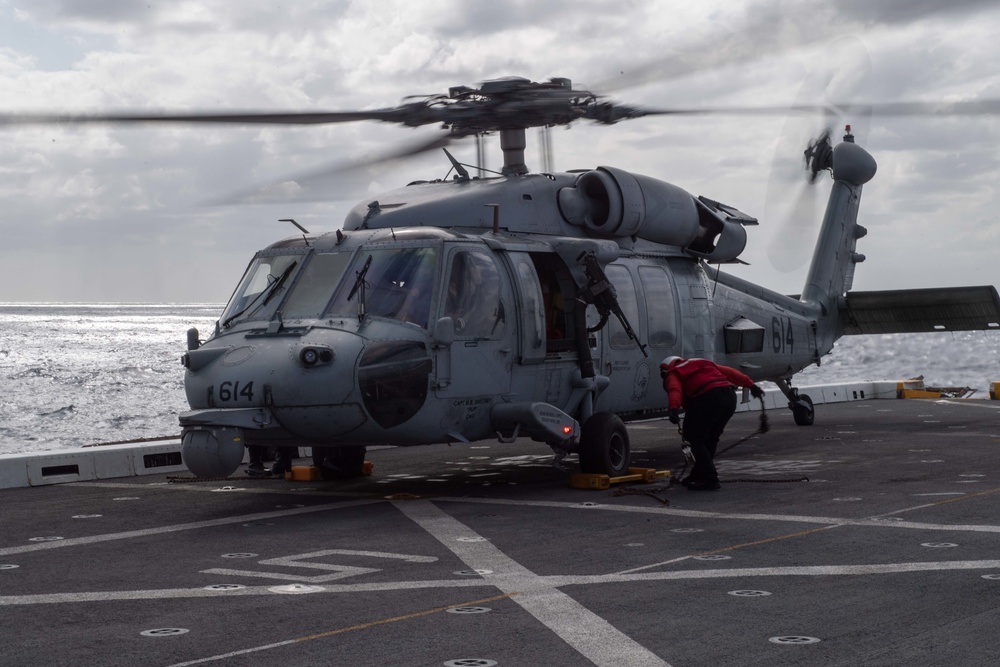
(296, 589)
(469, 610)
(470, 662)
(794, 639)
(224, 587)
(749, 594)
(164, 632)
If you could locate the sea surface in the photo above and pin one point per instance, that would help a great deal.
(77, 374)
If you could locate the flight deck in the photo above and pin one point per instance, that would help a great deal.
(869, 538)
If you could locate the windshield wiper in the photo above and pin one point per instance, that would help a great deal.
(267, 293)
(359, 285)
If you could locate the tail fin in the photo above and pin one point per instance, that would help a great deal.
(832, 270)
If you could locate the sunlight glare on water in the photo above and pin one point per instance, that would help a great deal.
(76, 374)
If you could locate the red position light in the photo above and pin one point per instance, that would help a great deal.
(567, 430)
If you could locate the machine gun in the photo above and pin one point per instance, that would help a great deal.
(601, 293)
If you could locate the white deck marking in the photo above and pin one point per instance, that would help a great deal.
(791, 518)
(127, 535)
(595, 638)
(339, 571)
(533, 584)
(201, 592)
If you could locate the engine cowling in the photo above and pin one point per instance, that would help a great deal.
(613, 203)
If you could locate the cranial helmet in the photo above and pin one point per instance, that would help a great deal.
(665, 364)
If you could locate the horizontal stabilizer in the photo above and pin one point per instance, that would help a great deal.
(921, 310)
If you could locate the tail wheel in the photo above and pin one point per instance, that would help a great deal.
(604, 446)
(340, 462)
(802, 411)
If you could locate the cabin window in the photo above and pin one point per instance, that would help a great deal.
(531, 306)
(627, 301)
(557, 299)
(397, 284)
(659, 306)
(472, 299)
(393, 379)
(313, 289)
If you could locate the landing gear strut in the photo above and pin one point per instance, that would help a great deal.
(800, 404)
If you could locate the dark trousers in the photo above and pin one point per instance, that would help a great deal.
(705, 418)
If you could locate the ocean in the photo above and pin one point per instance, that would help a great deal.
(77, 374)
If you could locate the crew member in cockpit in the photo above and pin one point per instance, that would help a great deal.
(705, 391)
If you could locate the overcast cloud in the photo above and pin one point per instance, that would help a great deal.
(111, 213)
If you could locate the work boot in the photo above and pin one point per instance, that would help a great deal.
(704, 485)
(689, 480)
(282, 463)
(256, 469)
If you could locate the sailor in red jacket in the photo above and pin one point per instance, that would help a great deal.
(705, 390)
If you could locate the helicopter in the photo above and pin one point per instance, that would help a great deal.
(519, 304)
(523, 304)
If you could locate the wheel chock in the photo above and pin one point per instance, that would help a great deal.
(312, 473)
(599, 482)
(303, 474)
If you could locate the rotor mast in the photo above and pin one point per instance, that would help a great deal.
(512, 143)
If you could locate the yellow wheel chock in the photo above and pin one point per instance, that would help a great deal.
(601, 482)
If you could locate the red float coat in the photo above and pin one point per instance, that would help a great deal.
(692, 377)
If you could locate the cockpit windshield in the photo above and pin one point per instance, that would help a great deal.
(315, 285)
(398, 283)
(265, 280)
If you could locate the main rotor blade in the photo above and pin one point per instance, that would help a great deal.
(983, 107)
(317, 184)
(239, 117)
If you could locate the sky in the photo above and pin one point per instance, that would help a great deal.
(122, 213)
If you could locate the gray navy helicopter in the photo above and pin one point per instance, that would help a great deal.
(519, 304)
(523, 305)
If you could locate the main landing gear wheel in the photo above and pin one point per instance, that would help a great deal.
(802, 411)
(604, 446)
(340, 462)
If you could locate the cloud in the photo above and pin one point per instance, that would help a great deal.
(120, 204)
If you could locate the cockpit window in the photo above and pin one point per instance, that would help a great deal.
(315, 285)
(257, 295)
(398, 283)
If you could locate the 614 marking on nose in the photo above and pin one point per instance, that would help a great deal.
(234, 391)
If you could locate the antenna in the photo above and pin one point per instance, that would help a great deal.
(301, 228)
